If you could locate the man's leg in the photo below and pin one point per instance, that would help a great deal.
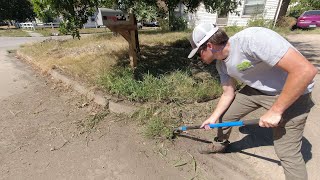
(288, 138)
(241, 105)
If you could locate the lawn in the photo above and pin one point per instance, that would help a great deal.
(11, 32)
(52, 31)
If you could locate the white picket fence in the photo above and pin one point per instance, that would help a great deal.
(33, 26)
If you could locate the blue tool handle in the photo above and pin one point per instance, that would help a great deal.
(235, 123)
(226, 124)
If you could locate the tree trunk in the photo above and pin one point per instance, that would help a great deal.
(283, 8)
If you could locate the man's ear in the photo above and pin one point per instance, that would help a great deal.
(210, 45)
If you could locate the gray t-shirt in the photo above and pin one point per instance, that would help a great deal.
(253, 54)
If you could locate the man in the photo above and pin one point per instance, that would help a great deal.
(277, 77)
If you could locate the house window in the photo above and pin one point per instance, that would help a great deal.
(253, 7)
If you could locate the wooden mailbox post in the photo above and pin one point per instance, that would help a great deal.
(118, 22)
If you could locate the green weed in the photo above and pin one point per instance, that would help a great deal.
(177, 86)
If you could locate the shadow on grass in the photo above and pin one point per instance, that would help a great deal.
(164, 59)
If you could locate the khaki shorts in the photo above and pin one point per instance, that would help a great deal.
(287, 136)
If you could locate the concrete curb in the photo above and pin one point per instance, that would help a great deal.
(96, 96)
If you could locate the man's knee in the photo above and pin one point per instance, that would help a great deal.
(291, 160)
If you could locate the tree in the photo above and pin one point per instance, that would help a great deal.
(299, 6)
(16, 10)
(44, 11)
(75, 13)
(108, 4)
(283, 8)
(212, 6)
(168, 6)
(145, 12)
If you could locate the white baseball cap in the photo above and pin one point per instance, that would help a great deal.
(201, 33)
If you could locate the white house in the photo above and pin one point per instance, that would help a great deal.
(248, 8)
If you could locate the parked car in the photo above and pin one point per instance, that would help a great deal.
(309, 19)
(4, 23)
(139, 25)
(151, 24)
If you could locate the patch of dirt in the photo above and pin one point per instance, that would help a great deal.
(46, 131)
(40, 137)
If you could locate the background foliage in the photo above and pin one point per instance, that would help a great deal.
(299, 6)
(16, 10)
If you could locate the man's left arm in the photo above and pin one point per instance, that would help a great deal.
(300, 73)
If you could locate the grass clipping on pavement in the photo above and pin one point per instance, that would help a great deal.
(164, 74)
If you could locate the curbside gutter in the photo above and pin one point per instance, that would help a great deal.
(96, 96)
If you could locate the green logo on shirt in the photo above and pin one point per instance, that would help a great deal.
(244, 65)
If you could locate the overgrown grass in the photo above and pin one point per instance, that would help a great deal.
(177, 86)
(159, 120)
(13, 33)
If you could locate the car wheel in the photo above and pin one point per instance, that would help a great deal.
(294, 27)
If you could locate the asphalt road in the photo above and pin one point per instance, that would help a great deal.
(14, 78)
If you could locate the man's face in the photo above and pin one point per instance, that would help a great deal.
(209, 52)
(205, 53)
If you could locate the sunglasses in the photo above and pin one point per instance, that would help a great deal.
(204, 46)
(218, 50)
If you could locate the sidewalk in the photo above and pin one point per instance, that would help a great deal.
(34, 34)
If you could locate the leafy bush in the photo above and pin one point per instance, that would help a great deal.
(164, 24)
(178, 24)
(231, 30)
(260, 22)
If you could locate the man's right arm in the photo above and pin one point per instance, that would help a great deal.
(223, 104)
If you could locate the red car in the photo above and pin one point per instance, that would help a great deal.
(309, 19)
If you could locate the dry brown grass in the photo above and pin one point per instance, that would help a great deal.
(86, 58)
(90, 56)
(50, 31)
(12, 32)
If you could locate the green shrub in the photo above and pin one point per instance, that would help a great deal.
(178, 24)
(164, 24)
(259, 21)
(231, 30)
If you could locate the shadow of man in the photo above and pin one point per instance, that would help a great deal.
(257, 136)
